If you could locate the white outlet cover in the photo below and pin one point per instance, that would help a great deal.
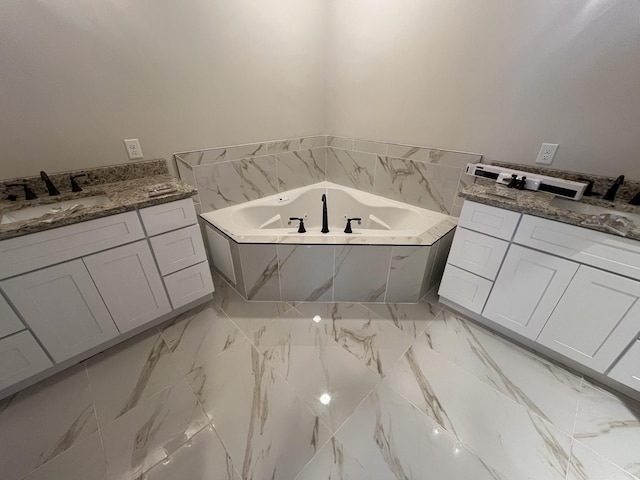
(133, 148)
(546, 154)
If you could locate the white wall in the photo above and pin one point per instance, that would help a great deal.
(496, 77)
(78, 76)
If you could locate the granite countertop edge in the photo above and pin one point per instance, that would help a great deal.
(124, 196)
(536, 204)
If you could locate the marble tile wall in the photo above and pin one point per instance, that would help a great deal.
(336, 273)
(422, 176)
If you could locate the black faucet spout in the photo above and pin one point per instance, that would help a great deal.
(50, 186)
(611, 193)
(325, 219)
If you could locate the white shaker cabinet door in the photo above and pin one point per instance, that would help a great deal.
(130, 284)
(62, 307)
(596, 319)
(9, 321)
(20, 358)
(527, 289)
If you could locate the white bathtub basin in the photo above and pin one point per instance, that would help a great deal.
(266, 220)
(32, 213)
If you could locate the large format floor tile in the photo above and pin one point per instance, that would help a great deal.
(544, 389)
(199, 335)
(376, 342)
(43, 421)
(124, 375)
(610, 427)
(267, 429)
(503, 433)
(83, 461)
(151, 431)
(203, 457)
(394, 440)
(316, 367)
(232, 390)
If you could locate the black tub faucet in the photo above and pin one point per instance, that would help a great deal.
(325, 219)
(50, 186)
(611, 193)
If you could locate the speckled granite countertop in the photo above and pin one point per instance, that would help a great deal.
(539, 205)
(126, 187)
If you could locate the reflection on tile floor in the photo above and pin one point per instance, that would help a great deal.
(271, 390)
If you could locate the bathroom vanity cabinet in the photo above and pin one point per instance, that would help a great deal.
(557, 287)
(69, 292)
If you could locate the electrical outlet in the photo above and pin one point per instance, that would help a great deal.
(133, 148)
(547, 152)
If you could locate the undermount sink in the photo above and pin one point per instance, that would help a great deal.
(50, 209)
(588, 209)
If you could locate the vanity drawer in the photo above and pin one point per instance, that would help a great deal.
(477, 253)
(608, 252)
(30, 252)
(189, 284)
(466, 289)
(168, 216)
(20, 358)
(489, 220)
(9, 321)
(627, 370)
(178, 249)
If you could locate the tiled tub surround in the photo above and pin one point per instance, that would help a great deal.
(396, 255)
(125, 186)
(421, 176)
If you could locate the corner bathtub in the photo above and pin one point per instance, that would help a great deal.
(396, 254)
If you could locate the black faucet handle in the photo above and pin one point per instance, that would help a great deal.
(74, 185)
(28, 193)
(348, 229)
(513, 183)
(588, 192)
(301, 228)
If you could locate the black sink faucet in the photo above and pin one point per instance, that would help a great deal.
(50, 186)
(611, 193)
(325, 220)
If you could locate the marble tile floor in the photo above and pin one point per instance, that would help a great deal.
(263, 391)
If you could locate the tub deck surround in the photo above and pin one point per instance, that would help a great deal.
(421, 176)
(396, 255)
(124, 185)
(539, 205)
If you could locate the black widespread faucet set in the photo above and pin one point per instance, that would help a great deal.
(51, 188)
(325, 220)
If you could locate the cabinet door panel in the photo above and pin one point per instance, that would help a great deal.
(477, 253)
(527, 289)
(9, 321)
(596, 319)
(130, 284)
(493, 221)
(178, 249)
(63, 308)
(20, 358)
(189, 284)
(627, 369)
(168, 216)
(466, 289)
